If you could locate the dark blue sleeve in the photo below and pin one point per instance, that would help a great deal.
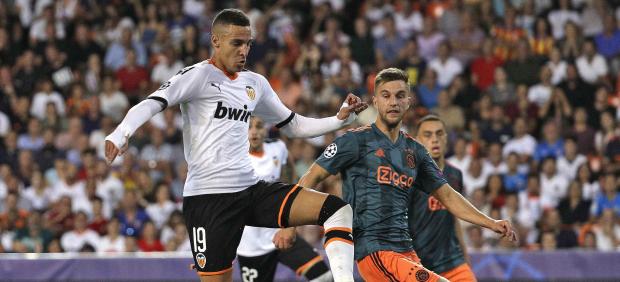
(430, 177)
(340, 154)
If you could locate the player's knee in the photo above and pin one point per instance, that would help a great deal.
(335, 208)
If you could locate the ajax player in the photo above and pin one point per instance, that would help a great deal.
(257, 253)
(379, 165)
(222, 193)
(437, 236)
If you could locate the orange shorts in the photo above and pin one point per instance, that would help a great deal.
(461, 273)
(392, 267)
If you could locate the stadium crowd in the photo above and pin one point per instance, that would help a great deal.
(528, 89)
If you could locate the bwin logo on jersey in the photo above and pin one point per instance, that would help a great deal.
(222, 112)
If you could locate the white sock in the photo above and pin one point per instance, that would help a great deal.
(340, 252)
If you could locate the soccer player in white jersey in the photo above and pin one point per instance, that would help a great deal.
(222, 193)
(261, 249)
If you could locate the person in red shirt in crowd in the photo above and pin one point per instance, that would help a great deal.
(149, 241)
(133, 78)
(483, 67)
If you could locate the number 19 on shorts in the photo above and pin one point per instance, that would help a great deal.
(199, 236)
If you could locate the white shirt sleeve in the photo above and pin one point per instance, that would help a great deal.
(180, 88)
(272, 110)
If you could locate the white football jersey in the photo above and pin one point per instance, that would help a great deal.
(216, 110)
(257, 241)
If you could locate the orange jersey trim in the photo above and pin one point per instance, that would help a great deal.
(307, 265)
(339, 229)
(229, 75)
(284, 203)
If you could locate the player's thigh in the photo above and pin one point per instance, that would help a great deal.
(258, 268)
(393, 266)
(215, 224)
(277, 204)
(461, 273)
(303, 259)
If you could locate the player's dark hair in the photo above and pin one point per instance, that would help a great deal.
(231, 17)
(390, 74)
(426, 118)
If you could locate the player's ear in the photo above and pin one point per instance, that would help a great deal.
(374, 100)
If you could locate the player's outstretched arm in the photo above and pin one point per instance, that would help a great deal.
(313, 176)
(463, 209)
(304, 127)
(116, 142)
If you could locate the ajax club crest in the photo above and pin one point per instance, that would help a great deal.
(251, 93)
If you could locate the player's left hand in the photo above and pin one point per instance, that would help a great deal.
(352, 104)
(285, 238)
(504, 228)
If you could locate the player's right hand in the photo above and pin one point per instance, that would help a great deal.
(111, 151)
(504, 228)
(352, 104)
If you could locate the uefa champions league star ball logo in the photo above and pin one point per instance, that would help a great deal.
(330, 151)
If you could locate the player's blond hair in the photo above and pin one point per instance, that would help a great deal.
(390, 74)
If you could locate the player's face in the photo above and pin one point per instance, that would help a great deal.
(392, 101)
(232, 45)
(432, 135)
(257, 132)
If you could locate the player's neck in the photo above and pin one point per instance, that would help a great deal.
(220, 65)
(389, 131)
(257, 151)
(441, 162)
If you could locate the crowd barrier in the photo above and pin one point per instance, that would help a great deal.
(575, 265)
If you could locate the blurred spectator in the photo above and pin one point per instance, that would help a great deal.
(113, 102)
(38, 195)
(472, 177)
(484, 71)
(573, 208)
(460, 159)
(607, 132)
(33, 238)
(522, 142)
(508, 35)
(33, 139)
(513, 180)
(73, 241)
(133, 78)
(592, 66)
(557, 66)
(582, 132)
(45, 96)
(83, 46)
(429, 39)
(540, 93)
(569, 163)
(116, 54)
(530, 206)
(160, 211)
(607, 231)
(468, 40)
(560, 16)
(167, 66)
(389, 45)
(131, 216)
(446, 66)
(541, 41)
(180, 242)
(428, 90)
(408, 20)
(452, 115)
(608, 197)
(608, 41)
(552, 144)
(362, 44)
(553, 185)
(113, 242)
(149, 241)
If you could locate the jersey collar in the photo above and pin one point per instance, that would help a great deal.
(232, 76)
(386, 138)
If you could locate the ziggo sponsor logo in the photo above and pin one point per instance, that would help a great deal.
(385, 175)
